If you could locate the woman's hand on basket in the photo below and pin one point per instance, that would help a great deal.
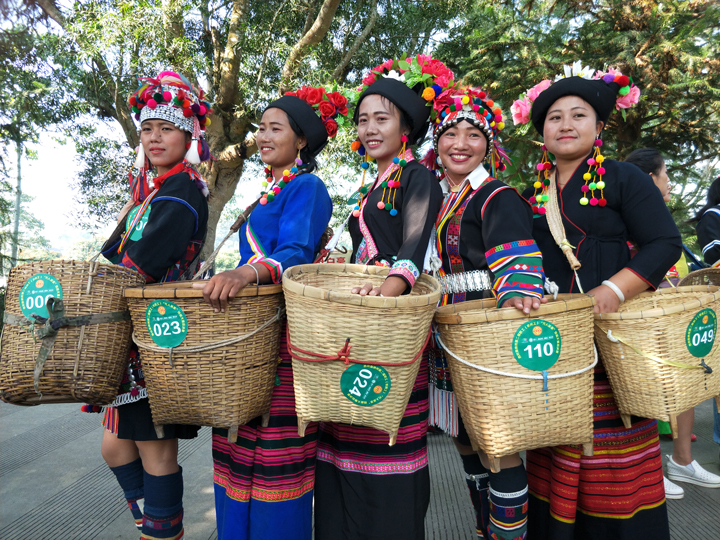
(525, 303)
(606, 301)
(223, 287)
(392, 286)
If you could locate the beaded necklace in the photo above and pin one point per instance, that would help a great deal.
(269, 195)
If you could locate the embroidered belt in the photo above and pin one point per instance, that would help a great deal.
(476, 280)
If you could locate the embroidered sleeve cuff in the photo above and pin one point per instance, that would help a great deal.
(275, 268)
(127, 262)
(406, 269)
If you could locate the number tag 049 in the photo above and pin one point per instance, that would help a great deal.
(700, 333)
(166, 323)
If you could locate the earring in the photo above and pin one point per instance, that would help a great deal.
(538, 200)
(593, 178)
(393, 183)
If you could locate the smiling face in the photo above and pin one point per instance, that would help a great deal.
(380, 129)
(662, 181)
(164, 144)
(462, 149)
(571, 127)
(277, 141)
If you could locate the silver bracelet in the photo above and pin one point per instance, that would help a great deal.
(615, 289)
(257, 276)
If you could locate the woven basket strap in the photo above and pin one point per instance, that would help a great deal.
(343, 354)
(55, 321)
(617, 339)
(209, 346)
(517, 375)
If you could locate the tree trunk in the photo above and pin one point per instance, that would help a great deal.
(18, 195)
(226, 181)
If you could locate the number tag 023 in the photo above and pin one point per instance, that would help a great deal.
(536, 345)
(365, 385)
(166, 323)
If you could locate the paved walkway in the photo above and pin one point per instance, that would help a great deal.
(54, 484)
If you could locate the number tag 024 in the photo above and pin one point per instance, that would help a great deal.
(536, 345)
(166, 323)
(365, 385)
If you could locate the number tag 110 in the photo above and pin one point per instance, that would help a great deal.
(166, 323)
(536, 345)
(700, 333)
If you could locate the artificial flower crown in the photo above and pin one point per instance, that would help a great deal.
(437, 79)
(628, 95)
(331, 107)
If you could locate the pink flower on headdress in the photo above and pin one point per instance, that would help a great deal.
(369, 79)
(423, 58)
(534, 92)
(520, 110)
(444, 80)
(386, 65)
(628, 100)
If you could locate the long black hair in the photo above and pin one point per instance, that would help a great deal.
(307, 157)
(713, 199)
(648, 160)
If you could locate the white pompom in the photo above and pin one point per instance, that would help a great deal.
(192, 155)
(140, 158)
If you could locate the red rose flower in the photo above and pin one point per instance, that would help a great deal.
(314, 96)
(326, 108)
(343, 111)
(302, 93)
(331, 127)
(291, 93)
(337, 99)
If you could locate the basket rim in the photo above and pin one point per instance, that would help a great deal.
(484, 310)
(713, 294)
(116, 267)
(290, 285)
(184, 289)
(697, 273)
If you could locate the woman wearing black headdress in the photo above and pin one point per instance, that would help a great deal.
(618, 492)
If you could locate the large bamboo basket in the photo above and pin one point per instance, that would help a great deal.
(223, 373)
(86, 361)
(323, 317)
(704, 276)
(651, 329)
(504, 406)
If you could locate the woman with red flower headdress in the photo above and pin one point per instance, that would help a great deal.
(264, 481)
(618, 491)
(164, 233)
(366, 489)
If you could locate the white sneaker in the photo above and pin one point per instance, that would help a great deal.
(692, 474)
(673, 491)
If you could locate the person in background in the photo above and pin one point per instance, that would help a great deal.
(681, 466)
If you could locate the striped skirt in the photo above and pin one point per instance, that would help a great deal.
(617, 493)
(367, 490)
(264, 481)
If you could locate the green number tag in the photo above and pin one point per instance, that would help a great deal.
(137, 232)
(536, 345)
(166, 323)
(700, 333)
(365, 385)
(354, 198)
(35, 293)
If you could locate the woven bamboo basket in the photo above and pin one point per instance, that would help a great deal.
(705, 276)
(222, 374)
(80, 354)
(331, 331)
(506, 407)
(649, 363)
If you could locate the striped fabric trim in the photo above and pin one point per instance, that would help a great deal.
(482, 211)
(274, 267)
(710, 245)
(411, 465)
(127, 262)
(407, 269)
(255, 245)
(178, 536)
(518, 270)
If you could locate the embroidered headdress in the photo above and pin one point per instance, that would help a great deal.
(171, 97)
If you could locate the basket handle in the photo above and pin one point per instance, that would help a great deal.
(554, 219)
(617, 339)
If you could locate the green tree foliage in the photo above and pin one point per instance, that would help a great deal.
(671, 49)
(241, 51)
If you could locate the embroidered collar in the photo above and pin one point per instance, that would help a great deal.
(175, 170)
(476, 178)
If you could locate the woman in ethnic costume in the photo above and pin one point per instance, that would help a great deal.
(164, 233)
(485, 247)
(264, 481)
(366, 489)
(618, 492)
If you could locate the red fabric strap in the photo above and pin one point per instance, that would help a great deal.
(344, 354)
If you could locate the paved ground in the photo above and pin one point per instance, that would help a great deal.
(54, 484)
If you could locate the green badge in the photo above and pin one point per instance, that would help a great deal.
(354, 198)
(137, 231)
(365, 385)
(166, 323)
(700, 333)
(36, 292)
(536, 345)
